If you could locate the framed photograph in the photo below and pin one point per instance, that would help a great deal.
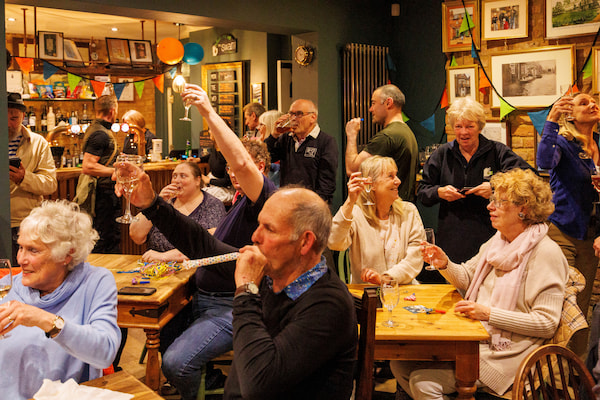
(571, 18)
(496, 131)
(504, 19)
(118, 51)
(141, 51)
(462, 82)
(596, 73)
(533, 78)
(50, 45)
(72, 56)
(453, 13)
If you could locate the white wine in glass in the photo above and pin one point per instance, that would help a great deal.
(128, 168)
(6, 281)
(389, 292)
(430, 238)
(368, 186)
(187, 104)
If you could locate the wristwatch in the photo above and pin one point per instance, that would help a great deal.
(57, 326)
(249, 287)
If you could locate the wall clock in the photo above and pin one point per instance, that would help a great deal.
(303, 55)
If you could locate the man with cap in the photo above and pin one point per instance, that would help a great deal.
(35, 175)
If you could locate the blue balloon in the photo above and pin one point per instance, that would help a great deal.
(193, 53)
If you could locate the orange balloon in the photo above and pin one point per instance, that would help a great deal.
(170, 51)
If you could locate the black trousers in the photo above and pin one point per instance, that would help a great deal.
(108, 208)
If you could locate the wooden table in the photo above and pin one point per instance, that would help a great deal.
(152, 312)
(124, 382)
(431, 337)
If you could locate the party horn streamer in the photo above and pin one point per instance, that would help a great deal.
(202, 262)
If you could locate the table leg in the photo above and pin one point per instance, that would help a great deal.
(467, 369)
(152, 364)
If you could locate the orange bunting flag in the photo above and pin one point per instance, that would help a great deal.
(444, 100)
(98, 87)
(483, 83)
(574, 89)
(159, 82)
(26, 64)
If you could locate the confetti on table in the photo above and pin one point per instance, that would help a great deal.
(202, 262)
(412, 297)
(158, 269)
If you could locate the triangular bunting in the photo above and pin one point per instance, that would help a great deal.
(172, 72)
(98, 87)
(389, 63)
(453, 62)
(444, 100)
(467, 23)
(587, 69)
(404, 117)
(505, 108)
(139, 88)
(429, 124)
(474, 51)
(159, 82)
(484, 83)
(538, 119)
(119, 87)
(49, 70)
(73, 80)
(574, 89)
(25, 63)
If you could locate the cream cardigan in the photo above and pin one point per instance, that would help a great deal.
(367, 250)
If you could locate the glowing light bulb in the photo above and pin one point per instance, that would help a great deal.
(178, 84)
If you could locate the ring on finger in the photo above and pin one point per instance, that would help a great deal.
(11, 320)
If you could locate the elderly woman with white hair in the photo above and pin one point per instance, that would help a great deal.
(59, 320)
(457, 176)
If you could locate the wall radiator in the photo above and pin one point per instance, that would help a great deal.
(363, 71)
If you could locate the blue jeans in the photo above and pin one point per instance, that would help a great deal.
(209, 335)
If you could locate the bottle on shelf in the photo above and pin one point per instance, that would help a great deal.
(68, 159)
(188, 149)
(75, 155)
(73, 118)
(51, 120)
(26, 118)
(32, 119)
(84, 115)
(44, 121)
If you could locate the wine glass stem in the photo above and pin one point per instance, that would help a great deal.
(390, 314)
(127, 206)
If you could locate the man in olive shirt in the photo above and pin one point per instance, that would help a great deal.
(395, 140)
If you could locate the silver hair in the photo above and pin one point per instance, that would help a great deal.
(468, 109)
(394, 93)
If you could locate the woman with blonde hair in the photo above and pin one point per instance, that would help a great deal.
(133, 117)
(384, 237)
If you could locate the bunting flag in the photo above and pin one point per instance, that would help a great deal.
(389, 63)
(119, 87)
(587, 68)
(574, 89)
(484, 83)
(538, 119)
(172, 72)
(139, 88)
(444, 100)
(98, 87)
(429, 124)
(25, 63)
(159, 82)
(404, 117)
(467, 23)
(49, 70)
(73, 81)
(505, 108)
(453, 62)
(474, 53)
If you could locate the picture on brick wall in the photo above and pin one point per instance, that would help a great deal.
(462, 82)
(496, 131)
(571, 18)
(596, 73)
(504, 19)
(453, 14)
(532, 78)
(50, 45)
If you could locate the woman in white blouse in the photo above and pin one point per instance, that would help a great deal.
(384, 237)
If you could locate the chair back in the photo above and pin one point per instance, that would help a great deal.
(343, 265)
(552, 372)
(571, 318)
(366, 315)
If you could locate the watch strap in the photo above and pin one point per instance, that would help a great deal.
(55, 329)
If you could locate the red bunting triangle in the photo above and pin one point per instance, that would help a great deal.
(26, 64)
(159, 82)
(444, 100)
(574, 89)
(98, 87)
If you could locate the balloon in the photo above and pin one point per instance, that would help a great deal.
(194, 53)
(170, 51)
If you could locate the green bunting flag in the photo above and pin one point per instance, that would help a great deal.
(505, 108)
(587, 69)
(139, 88)
(466, 23)
(73, 81)
(453, 62)
(404, 117)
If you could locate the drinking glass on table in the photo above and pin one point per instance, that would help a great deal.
(389, 292)
(430, 238)
(128, 168)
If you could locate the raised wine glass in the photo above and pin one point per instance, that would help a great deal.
(128, 169)
(389, 292)
(368, 186)
(6, 281)
(179, 87)
(430, 238)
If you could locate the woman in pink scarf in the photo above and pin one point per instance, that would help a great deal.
(515, 286)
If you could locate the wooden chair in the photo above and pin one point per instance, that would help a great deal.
(343, 266)
(552, 372)
(223, 359)
(366, 315)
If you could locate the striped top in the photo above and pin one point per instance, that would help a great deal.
(13, 145)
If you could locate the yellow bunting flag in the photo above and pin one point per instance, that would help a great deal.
(505, 108)
(73, 81)
(139, 88)
(159, 82)
(453, 62)
(98, 87)
(25, 63)
(587, 69)
(404, 117)
(444, 100)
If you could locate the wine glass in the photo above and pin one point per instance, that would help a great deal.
(368, 182)
(430, 238)
(5, 270)
(179, 87)
(187, 104)
(389, 292)
(567, 91)
(128, 169)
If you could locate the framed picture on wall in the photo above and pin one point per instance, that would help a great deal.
(496, 130)
(571, 18)
(453, 13)
(532, 78)
(50, 45)
(462, 82)
(141, 51)
(118, 51)
(227, 89)
(504, 19)
(72, 56)
(596, 73)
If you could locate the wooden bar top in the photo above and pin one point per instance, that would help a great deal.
(125, 383)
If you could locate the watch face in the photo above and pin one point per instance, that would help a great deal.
(252, 288)
(59, 323)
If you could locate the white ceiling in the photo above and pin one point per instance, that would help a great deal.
(81, 25)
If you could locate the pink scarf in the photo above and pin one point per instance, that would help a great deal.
(511, 258)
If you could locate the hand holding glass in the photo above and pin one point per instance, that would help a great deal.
(389, 292)
(6, 285)
(368, 182)
(430, 237)
(128, 168)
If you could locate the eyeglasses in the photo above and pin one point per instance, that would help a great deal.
(299, 114)
(498, 203)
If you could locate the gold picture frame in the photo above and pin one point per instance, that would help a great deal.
(452, 16)
(463, 81)
(504, 19)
